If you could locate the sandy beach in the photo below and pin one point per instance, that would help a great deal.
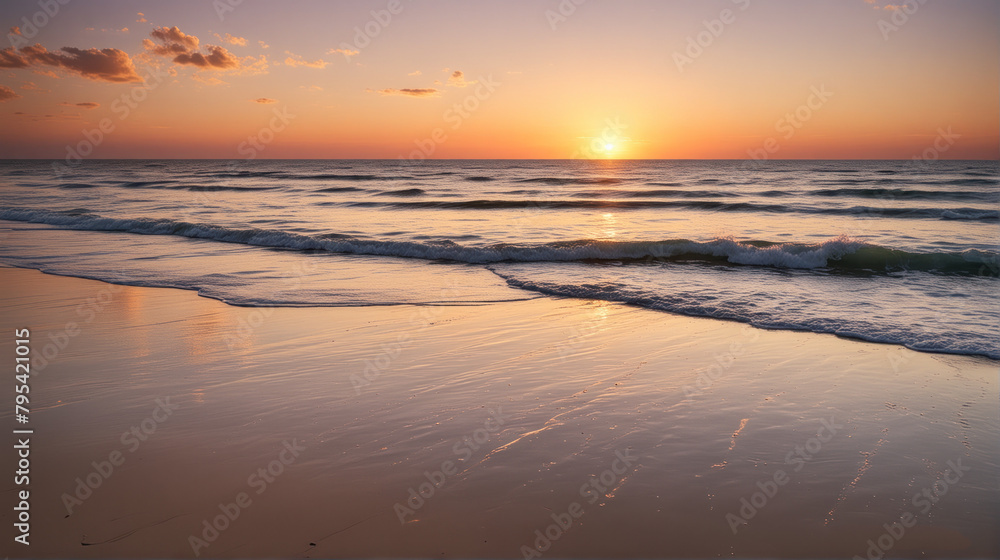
(171, 425)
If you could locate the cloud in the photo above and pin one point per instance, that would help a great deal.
(294, 60)
(142, 18)
(208, 80)
(85, 104)
(264, 100)
(890, 7)
(345, 52)
(49, 117)
(171, 36)
(6, 94)
(106, 65)
(232, 40)
(457, 79)
(184, 50)
(415, 73)
(411, 92)
(263, 45)
(218, 57)
(311, 88)
(15, 30)
(10, 59)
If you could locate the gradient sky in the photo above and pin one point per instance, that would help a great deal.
(933, 77)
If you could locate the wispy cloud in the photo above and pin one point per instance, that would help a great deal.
(232, 40)
(345, 52)
(264, 100)
(410, 92)
(84, 105)
(294, 60)
(6, 94)
(457, 79)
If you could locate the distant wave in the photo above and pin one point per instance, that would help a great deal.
(341, 189)
(345, 177)
(654, 194)
(842, 253)
(974, 214)
(572, 180)
(402, 192)
(905, 194)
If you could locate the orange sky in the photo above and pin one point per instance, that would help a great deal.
(511, 79)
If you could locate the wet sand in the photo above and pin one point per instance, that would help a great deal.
(541, 428)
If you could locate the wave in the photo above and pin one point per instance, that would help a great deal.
(910, 336)
(840, 254)
(961, 182)
(346, 177)
(141, 184)
(403, 192)
(654, 194)
(907, 194)
(572, 180)
(341, 189)
(972, 214)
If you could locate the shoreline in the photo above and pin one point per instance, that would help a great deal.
(530, 295)
(513, 407)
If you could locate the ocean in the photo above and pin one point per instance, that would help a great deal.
(902, 252)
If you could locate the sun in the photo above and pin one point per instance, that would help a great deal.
(609, 147)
